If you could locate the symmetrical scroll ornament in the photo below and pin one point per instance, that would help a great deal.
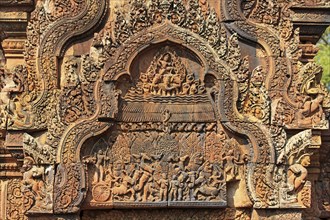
(69, 180)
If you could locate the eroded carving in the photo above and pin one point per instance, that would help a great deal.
(37, 188)
(297, 157)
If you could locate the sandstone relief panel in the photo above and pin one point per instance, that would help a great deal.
(191, 107)
(166, 146)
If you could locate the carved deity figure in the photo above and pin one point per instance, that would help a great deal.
(310, 112)
(296, 178)
(174, 186)
(167, 81)
(118, 168)
(167, 76)
(257, 101)
(232, 159)
(163, 183)
(230, 168)
(100, 158)
(215, 179)
(146, 175)
(34, 189)
(209, 184)
(123, 187)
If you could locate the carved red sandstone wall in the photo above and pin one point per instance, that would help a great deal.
(165, 104)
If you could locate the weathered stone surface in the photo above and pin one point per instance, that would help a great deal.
(163, 107)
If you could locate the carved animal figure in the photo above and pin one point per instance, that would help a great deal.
(123, 188)
(209, 191)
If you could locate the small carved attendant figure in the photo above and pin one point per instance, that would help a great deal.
(163, 183)
(166, 117)
(100, 157)
(34, 188)
(149, 192)
(182, 177)
(174, 186)
(230, 168)
(191, 184)
(118, 171)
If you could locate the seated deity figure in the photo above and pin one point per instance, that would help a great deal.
(310, 111)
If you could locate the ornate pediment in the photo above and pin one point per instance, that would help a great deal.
(167, 106)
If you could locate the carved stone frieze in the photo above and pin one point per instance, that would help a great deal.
(169, 108)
